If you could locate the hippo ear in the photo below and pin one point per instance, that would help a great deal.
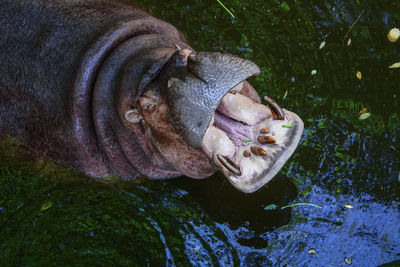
(133, 116)
(194, 97)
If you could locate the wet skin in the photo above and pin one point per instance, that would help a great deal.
(108, 89)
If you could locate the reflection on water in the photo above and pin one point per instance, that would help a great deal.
(224, 203)
(49, 214)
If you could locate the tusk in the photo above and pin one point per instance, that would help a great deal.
(229, 164)
(277, 113)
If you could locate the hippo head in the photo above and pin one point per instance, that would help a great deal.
(202, 115)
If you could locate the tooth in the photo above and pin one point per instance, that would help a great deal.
(216, 141)
(229, 164)
(256, 150)
(243, 109)
(266, 139)
(246, 153)
(264, 131)
(277, 113)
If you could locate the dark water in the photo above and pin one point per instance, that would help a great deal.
(50, 215)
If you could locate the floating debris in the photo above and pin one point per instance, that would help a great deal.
(301, 204)
(364, 110)
(271, 207)
(355, 22)
(393, 35)
(226, 9)
(349, 42)
(395, 65)
(348, 207)
(347, 260)
(364, 116)
(359, 75)
(285, 95)
(322, 45)
(312, 251)
(287, 126)
(247, 140)
(274, 206)
(47, 205)
(313, 72)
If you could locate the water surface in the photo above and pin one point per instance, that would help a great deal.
(53, 215)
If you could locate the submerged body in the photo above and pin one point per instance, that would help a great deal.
(106, 88)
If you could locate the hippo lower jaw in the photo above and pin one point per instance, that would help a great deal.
(250, 142)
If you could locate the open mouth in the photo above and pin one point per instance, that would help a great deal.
(250, 142)
(213, 107)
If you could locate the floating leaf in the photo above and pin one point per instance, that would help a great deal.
(395, 65)
(349, 42)
(226, 9)
(285, 94)
(247, 140)
(271, 207)
(347, 260)
(322, 45)
(359, 75)
(348, 207)
(287, 126)
(364, 116)
(47, 205)
(312, 251)
(393, 35)
(313, 72)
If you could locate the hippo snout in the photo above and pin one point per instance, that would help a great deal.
(214, 108)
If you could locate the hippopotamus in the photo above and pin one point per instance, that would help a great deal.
(108, 89)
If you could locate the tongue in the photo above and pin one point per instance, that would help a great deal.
(241, 108)
(235, 130)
